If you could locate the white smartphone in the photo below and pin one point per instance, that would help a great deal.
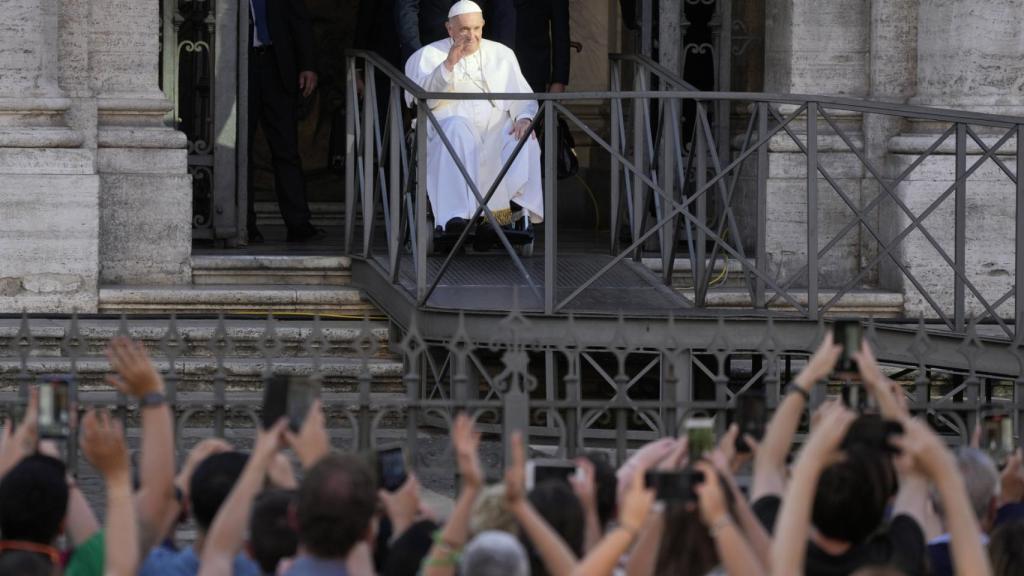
(540, 469)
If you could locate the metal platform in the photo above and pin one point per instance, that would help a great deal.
(490, 283)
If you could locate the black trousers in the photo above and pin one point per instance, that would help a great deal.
(274, 107)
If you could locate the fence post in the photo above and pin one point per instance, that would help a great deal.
(369, 156)
(616, 182)
(812, 210)
(1018, 271)
(350, 154)
(762, 206)
(395, 188)
(960, 230)
(422, 229)
(699, 287)
(550, 207)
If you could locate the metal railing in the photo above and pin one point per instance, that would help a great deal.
(568, 398)
(679, 197)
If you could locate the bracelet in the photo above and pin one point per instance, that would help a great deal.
(718, 525)
(440, 541)
(794, 388)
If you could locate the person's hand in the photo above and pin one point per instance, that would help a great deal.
(312, 442)
(136, 375)
(556, 88)
(466, 442)
(1011, 479)
(520, 128)
(268, 443)
(515, 473)
(824, 441)
(19, 441)
(403, 505)
(648, 456)
(102, 442)
(280, 473)
(821, 363)
(457, 52)
(923, 448)
(307, 82)
(867, 365)
(201, 451)
(584, 485)
(710, 496)
(678, 457)
(636, 503)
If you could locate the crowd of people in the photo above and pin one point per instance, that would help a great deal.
(866, 494)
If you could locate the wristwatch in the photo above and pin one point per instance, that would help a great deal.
(151, 399)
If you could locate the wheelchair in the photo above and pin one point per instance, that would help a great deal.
(481, 237)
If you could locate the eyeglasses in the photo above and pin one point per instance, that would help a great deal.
(21, 546)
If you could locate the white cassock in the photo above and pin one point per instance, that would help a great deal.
(478, 131)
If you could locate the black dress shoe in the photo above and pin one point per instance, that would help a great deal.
(310, 235)
(486, 237)
(455, 226)
(255, 237)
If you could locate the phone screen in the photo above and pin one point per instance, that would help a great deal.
(751, 416)
(997, 436)
(54, 419)
(674, 486)
(391, 472)
(275, 400)
(287, 396)
(541, 470)
(301, 393)
(848, 334)
(701, 437)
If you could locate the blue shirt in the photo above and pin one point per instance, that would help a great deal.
(162, 561)
(310, 566)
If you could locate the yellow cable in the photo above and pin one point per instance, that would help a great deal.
(304, 315)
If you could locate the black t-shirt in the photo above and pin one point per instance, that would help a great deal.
(900, 545)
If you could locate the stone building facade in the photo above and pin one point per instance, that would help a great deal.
(95, 188)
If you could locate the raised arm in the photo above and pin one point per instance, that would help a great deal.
(632, 516)
(20, 439)
(794, 523)
(312, 442)
(585, 488)
(735, 552)
(227, 533)
(102, 442)
(770, 461)
(936, 462)
(137, 378)
(726, 460)
(878, 385)
(441, 560)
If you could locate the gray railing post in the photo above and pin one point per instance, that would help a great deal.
(762, 205)
(639, 156)
(960, 230)
(395, 187)
(550, 207)
(423, 231)
(616, 183)
(812, 210)
(369, 158)
(1018, 270)
(699, 262)
(350, 153)
(669, 158)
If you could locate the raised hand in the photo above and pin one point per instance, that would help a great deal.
(710, 496)
(636, 504)
(136, 375)
(312, 442)
(103, 444)
(584, 485)
(20, 440)
(466, 442)
(923, 448)
(824, 441)
(458, 51)
(402, 506)
(821, 363)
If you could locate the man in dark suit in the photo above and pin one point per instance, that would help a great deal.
(280, 72)
(421, 22)
(542, 43)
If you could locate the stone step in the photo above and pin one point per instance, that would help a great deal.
(291, 269)
(343, 301)
(199, 337)
(726, 273)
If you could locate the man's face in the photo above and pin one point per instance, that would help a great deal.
(468, 29)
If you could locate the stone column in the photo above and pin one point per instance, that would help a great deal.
(48, 187)
(970, 56)
(815, 47)
(146, 199)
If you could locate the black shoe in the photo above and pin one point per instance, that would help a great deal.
(455, 226)
(255, 237)
(486, 238)
(310, 235)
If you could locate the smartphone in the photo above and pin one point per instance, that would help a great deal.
(751, 417)
(997, 436)
(674, 486)
(54, 414)
(700, 433)
(540, 470)
(848, 334)
(391, 468)
(287, 396)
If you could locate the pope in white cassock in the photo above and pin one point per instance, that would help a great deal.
(483, 133)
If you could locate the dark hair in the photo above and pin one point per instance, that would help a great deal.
(1006, 549)
(23, 563)
(850, 500)
(336, 502)
(555, 501)
(686, 545)
(211, 483)
(270, 534)
(607, 486)
(34, 500)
